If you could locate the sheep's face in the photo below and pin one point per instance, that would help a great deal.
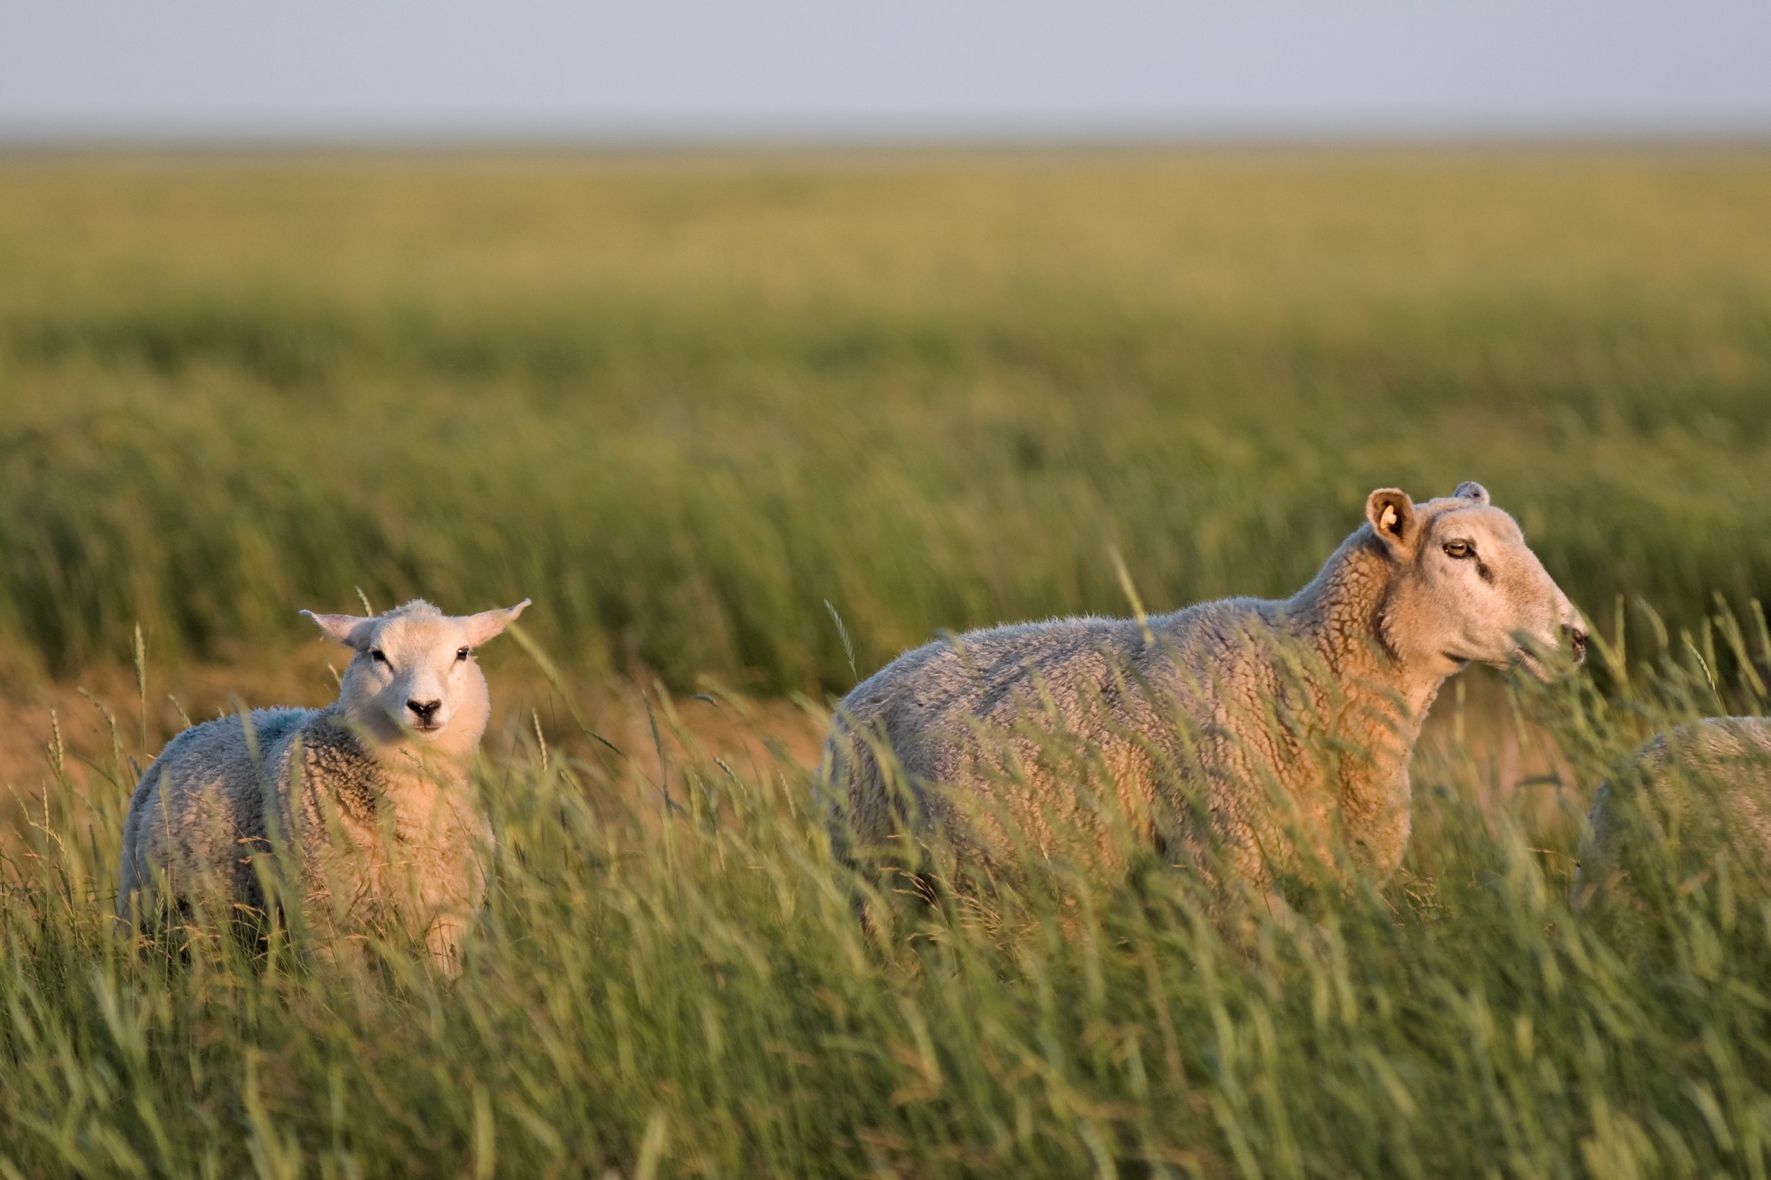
(413, 677)
(1467, 589)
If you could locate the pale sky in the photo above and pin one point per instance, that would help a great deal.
(672, 70)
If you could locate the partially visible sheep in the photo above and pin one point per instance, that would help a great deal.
(365, 804)
(1690, 798)
(1209, 737)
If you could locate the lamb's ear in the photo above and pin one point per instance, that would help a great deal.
(488, 623)
(1469, 489)
(350, 630)
(1392, 518)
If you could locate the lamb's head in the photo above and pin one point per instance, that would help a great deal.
(1465, 588)
(413, 676)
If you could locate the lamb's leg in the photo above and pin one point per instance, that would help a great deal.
(331, 936)
(443, 941)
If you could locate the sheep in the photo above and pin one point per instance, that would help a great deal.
(1205, 738)
(1689, 798)
(364, 806)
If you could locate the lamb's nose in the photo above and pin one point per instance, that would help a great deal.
(1577, 639)
(425, 709)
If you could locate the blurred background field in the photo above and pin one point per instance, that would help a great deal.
(685, 400)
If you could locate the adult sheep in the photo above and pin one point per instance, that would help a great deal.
(1690, 800)
(1222, 737)
(364, 806)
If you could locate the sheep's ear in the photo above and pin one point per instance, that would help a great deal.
(488, 623)
(349, 630)
(1469, 489)
(1392, 518)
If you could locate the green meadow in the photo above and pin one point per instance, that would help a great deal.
(684, 402)
(744, 427)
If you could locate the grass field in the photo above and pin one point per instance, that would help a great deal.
(695, 404)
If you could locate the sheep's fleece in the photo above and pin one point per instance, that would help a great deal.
(1230, 736)
(1689, 797)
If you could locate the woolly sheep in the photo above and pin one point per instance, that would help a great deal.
(366, 803)
(1688, 798)
(1206, 737)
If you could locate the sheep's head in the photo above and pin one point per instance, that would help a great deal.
(413, 676)
(1467, 589)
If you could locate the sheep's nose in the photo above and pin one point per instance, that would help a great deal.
(424, 709)
(1577, 639)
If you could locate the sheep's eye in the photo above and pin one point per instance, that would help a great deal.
(1459, 550)
(461, 653)
(379, 656)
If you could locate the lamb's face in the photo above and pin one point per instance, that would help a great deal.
(413, 676)
(1468, 588)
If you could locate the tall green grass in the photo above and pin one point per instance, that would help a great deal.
(686, 401)
(682, 989)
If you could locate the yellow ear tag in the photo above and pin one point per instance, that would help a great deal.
(1388, 519)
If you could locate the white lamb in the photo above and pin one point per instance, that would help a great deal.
(1210, 737)
(364, 807)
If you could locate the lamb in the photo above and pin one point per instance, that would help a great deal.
(1207, 738)
(364, 808)
(1688, 798)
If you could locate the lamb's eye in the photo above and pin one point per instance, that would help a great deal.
(1459, 550)
(379, 656)
(461, 653)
